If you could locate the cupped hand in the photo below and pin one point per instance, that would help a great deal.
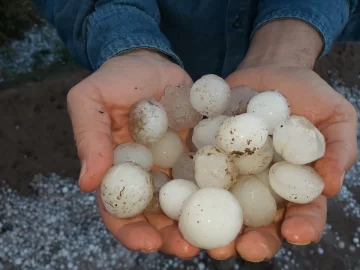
(99, 108)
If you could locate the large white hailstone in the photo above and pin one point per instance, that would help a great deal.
(126, 190)
(264, 178)
(271, 106)
(148, 121)
(242, 134)
(239, 99)
(213, 168)
(159, 179)
(167, 151)
(205, 131)
(257, 203)
(133, 152)
(296, 183)
(184, 168)
(176, 102)
(298, 141)
(173, 194)
(210, 218)
(210, 95)
(254, 162)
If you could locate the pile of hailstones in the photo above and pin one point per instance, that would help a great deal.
(247, 158)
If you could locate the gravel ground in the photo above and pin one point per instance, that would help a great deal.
(58, 227)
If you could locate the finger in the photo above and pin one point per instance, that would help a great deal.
(92, 132)
(305, 223)
(135, 233)
(222, 253)
(173, 242)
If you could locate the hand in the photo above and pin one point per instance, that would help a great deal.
(99, 108)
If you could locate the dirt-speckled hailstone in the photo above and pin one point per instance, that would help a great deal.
(239, 99)
(254, 162)
(271, 106)
(173, 194)
(167, 151)
(148, 121)
(213, 168)
(295, 183)
(133, 152)
(176, 102)
(210, 218)
(205, 131)
(241, 134)
(159, 179)
(298, 141)
(126, 190)
(184, 168)
(258, 205)
(210, 95)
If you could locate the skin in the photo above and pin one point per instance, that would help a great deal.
(99, 106)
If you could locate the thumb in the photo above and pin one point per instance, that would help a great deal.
(92, 131)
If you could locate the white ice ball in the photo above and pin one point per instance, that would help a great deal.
(271, 106)
(210, 218)
(258, 205)
(148, 121)
(213, 168)
(205, 131)
(210, 95)
(296, 183)
(242, 134)
(239, 99)
(264, 178)
(173, 194)
(167, 151)
(298, 141)
(159, 179)
(254, 162)
(126, 190)
(133, 152)
(184, 168)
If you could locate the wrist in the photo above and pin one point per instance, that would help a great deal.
(285, 42)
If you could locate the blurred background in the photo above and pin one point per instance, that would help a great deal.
(46, 223)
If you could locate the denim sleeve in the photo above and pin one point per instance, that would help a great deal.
(328, 17)
(96, 30)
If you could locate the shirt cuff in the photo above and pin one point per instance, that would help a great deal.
(327, 17)
(115, 29)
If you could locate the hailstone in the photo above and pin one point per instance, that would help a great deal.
(242, 134)
(296, 183)
(210, 95)
(271, 106)
(148, 121)
(210, 218)
(133, 152)
(126, 190)
(173, 194)
(184, 168)
(298, 141)
(239, 99)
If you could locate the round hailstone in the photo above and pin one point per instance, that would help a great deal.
(210, 218)
(298, 141)
(159, 179)
(210, 95)
(296, 183)
(264, 178)
(176, 102)
(148, 121)
(242, 134)
(184, 168)
(133, 152)
(239, 99)
(167, 151)
(254, 162)
(213, 168)
(189, 143)
(126, 190)
(173, 194)
(257, 203)
(271, 106)
(205, 131)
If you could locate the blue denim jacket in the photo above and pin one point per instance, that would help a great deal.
(203, 36)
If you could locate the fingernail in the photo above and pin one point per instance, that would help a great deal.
(299, 244)
(147, 251)
(342, 178)
(83, 170)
